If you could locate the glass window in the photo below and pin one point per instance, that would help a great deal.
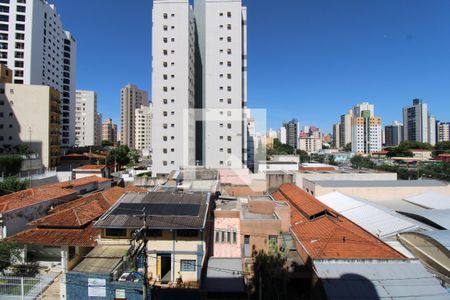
(187, 265)
(116, 232)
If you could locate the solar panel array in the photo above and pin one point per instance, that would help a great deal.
(157, 209)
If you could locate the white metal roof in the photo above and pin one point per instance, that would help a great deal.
(431, 200)
(380, 222)
(378, 280)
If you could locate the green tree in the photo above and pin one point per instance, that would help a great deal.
(332, 160)
(304, 156)
(270, 271)
(399, 152)
(119, 155)
(9, 253)
(441, 148)
(359, 162)
(10, 164)
(107, 143)
(279, 149)
(348, 147)
(133, 155)
(12, 184)
(408, 145)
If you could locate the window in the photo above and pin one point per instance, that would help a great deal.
(165, 16)
(229, 26)
(229, 63)
(228, 236)
(217, 236)
(223, 233)
(234, 237)
(21, 8)
(229, 150)
(20, 18)
(20, 27)
(187, 265)
(229, 100)
(229, 51)
(229, 39)
(4, 18)
(229, 138)
(115, 232)
(229, 14)
(229, 88)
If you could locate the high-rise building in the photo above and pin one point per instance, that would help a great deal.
(282, 135)
(143, 128)
(415, 122)
(444, 132)
(393, 134)
(109, 132)
(98, 129)
(173, 85)
(336, 135)
(291, 133)
(131, 97)
(35, 46)
(345, 129)
(222, 40)
(432, 130)
(30, 115)
(366, 132)
(86, 119)
(358, 109)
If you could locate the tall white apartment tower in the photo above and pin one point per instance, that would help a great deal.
(131, 98)
(173, 85)
(143, 128)
(34, 45)
(86, 119)
(222, 40)
(415, 122)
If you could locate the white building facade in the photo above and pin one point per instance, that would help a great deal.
(86, 119)
(173, 85)
(415, 122)
(222, 40)
(143, 127)
(34, 44)
(444, 132)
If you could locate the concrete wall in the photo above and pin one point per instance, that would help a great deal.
(77, 287)
(259, 231)
(300, 176)
(375, 193)
(274, 181)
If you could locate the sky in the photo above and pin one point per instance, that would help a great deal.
(308, 59)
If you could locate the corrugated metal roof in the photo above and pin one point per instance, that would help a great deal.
(378, 280)
(102, 259)
(379, 183)
(431, 200)
(377, 221)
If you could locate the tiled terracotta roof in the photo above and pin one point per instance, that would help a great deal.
(91, 167)
(58, 237)
(32, 196)
(304, 202)
(330, 235)
(79, 182)
(279, 196)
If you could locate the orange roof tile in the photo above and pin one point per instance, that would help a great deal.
(330, 235)
(32, 196)
(303, 201)
(91, 167)
(79, 182)
(58, 237)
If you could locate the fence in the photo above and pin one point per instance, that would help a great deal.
(23, 288)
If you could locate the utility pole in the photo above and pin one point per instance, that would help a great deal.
(144, 294)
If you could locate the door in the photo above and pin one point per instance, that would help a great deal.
(164, 267)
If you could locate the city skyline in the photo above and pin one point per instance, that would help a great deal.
(383, 56)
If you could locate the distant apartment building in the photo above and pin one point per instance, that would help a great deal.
(291, 133)
(35, 46)
(444, 132)
(415, 122)
(98, 129)
(86, 119)
(393, 134)
(336, 135)
(30, 115)
(345, 129)
(109, 132)
(131, 98)
(282, 135)
(366, 133)
(310, 144)
(432, 130)
(143, 128)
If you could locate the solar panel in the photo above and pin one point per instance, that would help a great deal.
(157, 209)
